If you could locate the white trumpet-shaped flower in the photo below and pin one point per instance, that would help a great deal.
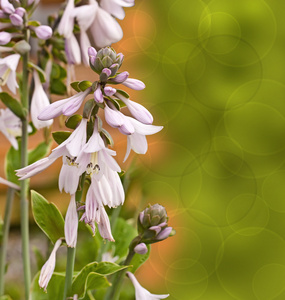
(142, 293)
(39, 102)
(48, 267)
(8, 66)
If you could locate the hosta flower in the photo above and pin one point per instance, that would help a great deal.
(48, 267)
(43, 32)
(66, 107)
(5, 37)
(7, 7)
(115, 7)
(8, 66)
(39, 102)
(142, 293)
(71, 223)
(137, 140)
(9, 183)
(68, 150)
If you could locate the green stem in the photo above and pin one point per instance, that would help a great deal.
(69, 272)
(25, 183)
(4, 244)
(113, 293)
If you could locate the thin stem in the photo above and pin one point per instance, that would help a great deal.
(69, 272)
(6, 226)
(25, 183)
(113, 293)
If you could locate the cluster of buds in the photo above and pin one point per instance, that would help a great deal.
(152, 228)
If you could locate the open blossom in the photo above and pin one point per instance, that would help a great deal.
(38, 103)
(8, 66)
(142, 293)
(48, 267)
(68, 150)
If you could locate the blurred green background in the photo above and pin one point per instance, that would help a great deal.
(215, 74)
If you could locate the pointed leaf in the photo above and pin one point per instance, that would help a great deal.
(12, 163)
(40, 71)
(74, 85)
(123, 93)
(13, 104)
(84, 85)
(48, 217)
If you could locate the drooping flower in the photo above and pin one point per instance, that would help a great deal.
(39, 102)
(9, 183)
(142, 293)
(8, 66)
(115, 7)
(71, 223)
(48, 267)
(137, 140)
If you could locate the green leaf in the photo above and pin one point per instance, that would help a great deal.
(115, 102)
(139, 259)
(40, 71)
(13, 104)
(108, 137)
(74, 85)
(5, 297)
(123, 93)
(123, 234)
(39, 152)
(84, 85)
(55, 288)
(73, 121)
(55, 71)
(93, 276)
(121, 103)
(60, 136)
(12, 163)
(34, 23)
(48, 217)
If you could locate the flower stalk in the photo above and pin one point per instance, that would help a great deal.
(24, 162)
(4, 244)
(69, 272)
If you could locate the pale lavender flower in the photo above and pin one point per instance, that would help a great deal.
(98, 96)
(65, 26)
(72, 50)
(137, 110)
(134, 84)
(43, 32)
(71, 223)
(137, 140)
(66, 107)
(20, 11)
(164, 234)
(16, 20)
(120, 77)
(8, 66)
(104, 226)
(5, 37)
(142, 293)
(48, 267)
(141, 248)
(109, 91)
(7, 7)
(39, 102)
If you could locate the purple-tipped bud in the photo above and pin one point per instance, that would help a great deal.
(7, 7)
(120, 58)
(164, 224)
(20, 11)
(2, 14)
(114, 68)
(120, 77)
(157, 229)
(16, 20)
(134, 84)
(98, 96)
(5, 37)
(92, 51)
(164, 234)
(105, 74)
(71, 224)
(109, 91)
(43, 32)
(141, 248)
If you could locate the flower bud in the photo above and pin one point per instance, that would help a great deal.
(43, 32)
(7, 7)
(98, 96)
(20, 11)
(16, 20)
(105, 58)
(92, 51)
(134, 84)
(120, 77)
(141, 248)
(164, 234)
(105, 74)
(109, 91)
(5, 37)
